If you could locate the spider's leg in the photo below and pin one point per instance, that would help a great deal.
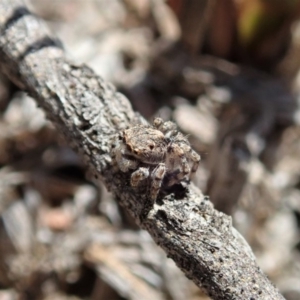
(139, 175)
(180, 173)
(195, 158)
(192, 157)
(164, 127)
(178, 165)
(185, 168)
(124, 163)
(157, 122)
(169, 129)
(157, 177)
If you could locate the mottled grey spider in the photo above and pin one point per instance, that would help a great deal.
(159, 152)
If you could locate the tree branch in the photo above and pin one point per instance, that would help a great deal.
(90, 113)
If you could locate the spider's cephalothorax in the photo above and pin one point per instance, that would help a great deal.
(159, 152)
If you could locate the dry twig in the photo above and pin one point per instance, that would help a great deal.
(91, 113)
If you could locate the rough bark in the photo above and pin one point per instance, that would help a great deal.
(90, 113)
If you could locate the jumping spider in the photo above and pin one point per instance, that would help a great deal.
(159, 152)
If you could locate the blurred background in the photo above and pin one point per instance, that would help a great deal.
(227, 72)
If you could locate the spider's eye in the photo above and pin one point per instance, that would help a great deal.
(151, 147)
(168, 140)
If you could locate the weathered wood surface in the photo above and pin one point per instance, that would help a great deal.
(90, 113)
